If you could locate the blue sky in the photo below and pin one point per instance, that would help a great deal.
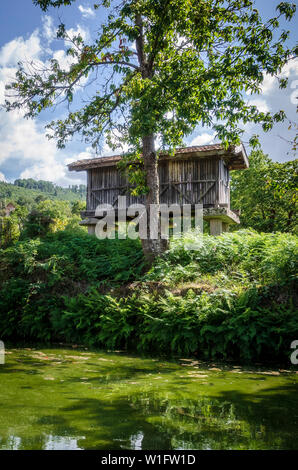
(28, 33)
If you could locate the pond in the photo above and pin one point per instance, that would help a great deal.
(81, 399)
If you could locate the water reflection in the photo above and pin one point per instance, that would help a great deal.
(62, 443)
(136, 441)
(48, 443)
(112, 402)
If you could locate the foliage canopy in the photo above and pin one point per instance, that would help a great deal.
(193, 62)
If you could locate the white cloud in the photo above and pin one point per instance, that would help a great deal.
(291, 68)
(80, 156)
(87, 12)
(49, 31)
(203, 139)
(21, 49)
(52, 171)
(273, 99)
(25, 139)
(63, 59)
(79, 30)
(260, 104)
(6, 75)
(270, 83)
(2, 177)
(69, 160)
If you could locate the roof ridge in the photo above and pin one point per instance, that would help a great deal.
(80, 164)
(164, 152)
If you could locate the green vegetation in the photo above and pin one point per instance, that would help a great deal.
(267, 194)
(40, 207)
(233, 297)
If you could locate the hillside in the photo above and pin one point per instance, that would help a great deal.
(23, 195)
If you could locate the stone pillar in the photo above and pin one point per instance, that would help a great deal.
(91, 229)
(225, 227)
(216, 227)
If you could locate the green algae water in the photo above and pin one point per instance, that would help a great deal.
(66, 399)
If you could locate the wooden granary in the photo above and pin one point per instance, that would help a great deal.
(194, 175)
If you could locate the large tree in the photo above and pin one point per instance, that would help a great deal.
(160, 68)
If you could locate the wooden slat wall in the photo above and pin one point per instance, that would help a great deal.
(181, 182)
(224, 184)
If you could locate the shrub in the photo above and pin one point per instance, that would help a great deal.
(262, 257)
(60, 288)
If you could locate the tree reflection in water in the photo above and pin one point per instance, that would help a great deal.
(73, 400)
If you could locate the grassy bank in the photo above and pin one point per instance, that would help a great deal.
(230, 297)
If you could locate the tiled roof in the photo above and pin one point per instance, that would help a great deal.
(238, 154)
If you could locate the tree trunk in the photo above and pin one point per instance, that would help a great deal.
(154, 245)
